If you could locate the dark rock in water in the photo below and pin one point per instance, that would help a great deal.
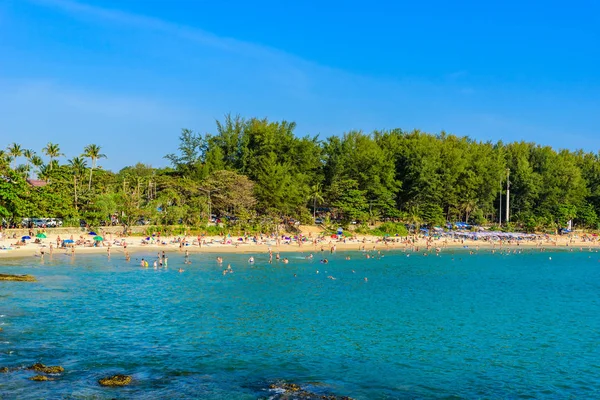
(3, 370)
(294, 391)
(39, 378)
(288, 387)
(18, 278)
(116, 380)
(39, 367)
(0, 329)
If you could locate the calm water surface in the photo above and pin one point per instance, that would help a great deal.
(455, 326)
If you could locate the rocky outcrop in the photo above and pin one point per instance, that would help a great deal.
(115, 380)
(39, 367)
(39, 378)
(4, 370)
(17, 278)
(294, 391)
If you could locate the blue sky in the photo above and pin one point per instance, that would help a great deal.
(128, 75)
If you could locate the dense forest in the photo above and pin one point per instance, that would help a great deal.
(255, 173)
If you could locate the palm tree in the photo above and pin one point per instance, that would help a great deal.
(14, 151)
(468, 206)
(92, 151)
(28, 154)
(414, 218)
(23, 170)
(44, 172)
(37, 162)
(315, 195)
(78, 165)
(53, 151)
(4, 158)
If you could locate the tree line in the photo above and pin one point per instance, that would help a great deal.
(255, 172)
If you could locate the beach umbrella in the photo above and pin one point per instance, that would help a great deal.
(98, 238)
(41, 235)
(26, 237)
(68, 241)
(92, 233)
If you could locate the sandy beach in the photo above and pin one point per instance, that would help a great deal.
(118, 245)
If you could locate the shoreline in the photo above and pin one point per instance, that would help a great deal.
(367, 243)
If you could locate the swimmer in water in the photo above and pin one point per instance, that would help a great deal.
(181, 270)
(366, 280)
(251, 260)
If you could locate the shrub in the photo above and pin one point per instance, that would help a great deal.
(390, 228)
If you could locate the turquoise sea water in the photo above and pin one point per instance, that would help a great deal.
(454, 326)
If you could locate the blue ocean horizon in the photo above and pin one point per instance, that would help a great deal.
(486, 325)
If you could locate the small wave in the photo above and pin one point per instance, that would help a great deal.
(277, 390)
